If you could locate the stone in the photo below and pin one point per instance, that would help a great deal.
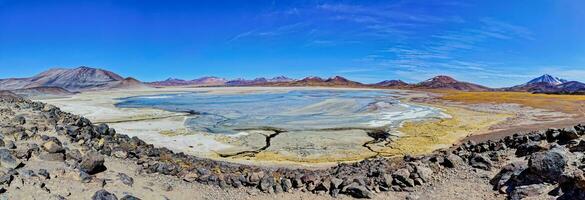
(103, 195)
(20, 120)
(92, 163)
(53, 147)
(506, 173)
(255, 177)
(80, 176)
(102, 129)
(46, 156)
(549, 165)
(120, 154)
(125, 179)
(480, 162)
(580, 147)
(403, 176)
(287, 185)
(528, 148)
(335, 182)
(7, 160)
(451, 161)
(57, 197)
(565, 136)
(266, 185)
(129, 197)
(190, 177)
(424, 173)
(524, 191)
(6, 179)
(44, 173)
(10, 145)
(357, 191)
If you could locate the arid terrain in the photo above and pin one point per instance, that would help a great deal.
(50, 154)
(109, 137)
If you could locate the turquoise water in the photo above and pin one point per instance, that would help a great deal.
(295, 110)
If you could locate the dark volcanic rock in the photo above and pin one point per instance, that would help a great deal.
(125, 179)
(92, 163)
(507, 173)
(357, 191)
(528, 148)
(402, 177)
(549, 165)
(103, 195)
(480, 162)
(129, 197)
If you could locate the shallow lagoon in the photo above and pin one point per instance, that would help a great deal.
(296, 110)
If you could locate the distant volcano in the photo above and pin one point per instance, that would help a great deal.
(77, 79)
(547, 79)
(449, 83)
(542, 83)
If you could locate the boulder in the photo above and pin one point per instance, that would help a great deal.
(524, 191)
(7, 160)
(579, 147)
(529, 148)
(565, 136)
(507, 173)
(190, 177)
(480, 162)
(424, 173)
(129, 197)
(451, 161)
(402, 177)
(287, 185)
(53, 147)
(335, 182)
(266, 185)
(103, 195)
(92, 163)
(357, 191)
(549, 165)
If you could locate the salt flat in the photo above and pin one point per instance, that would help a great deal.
(319, 132)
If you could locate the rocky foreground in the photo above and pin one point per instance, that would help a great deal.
(49, 154)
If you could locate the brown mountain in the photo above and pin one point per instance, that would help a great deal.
(129, 83)
(392, 84)
(77, 79)
(448, 83)
(203, 81)
(259, 81)
(336, 81)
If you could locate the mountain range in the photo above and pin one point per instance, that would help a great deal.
(62, 81)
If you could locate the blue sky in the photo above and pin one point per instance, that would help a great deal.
(495, 43)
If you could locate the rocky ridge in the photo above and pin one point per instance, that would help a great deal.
(541, 163)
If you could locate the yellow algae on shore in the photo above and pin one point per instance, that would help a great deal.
(313, 159)
(426, 136)
(573, 104)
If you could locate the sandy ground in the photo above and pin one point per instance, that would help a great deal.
(162, 128)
